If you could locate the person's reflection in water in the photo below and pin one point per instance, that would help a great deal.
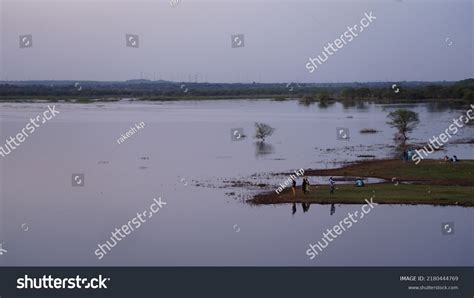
(333, 209)
(305, 206)
(293, 209)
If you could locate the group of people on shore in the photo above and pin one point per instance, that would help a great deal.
(408, 154)
(453, 159)
(305, 186)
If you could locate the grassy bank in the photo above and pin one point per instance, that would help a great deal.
(431, 182)
(384, 193)
(428, 171)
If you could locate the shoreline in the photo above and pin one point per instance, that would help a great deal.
(432, 182)
(270, 97)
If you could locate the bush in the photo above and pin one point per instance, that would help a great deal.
(263, 130)
(368, 130)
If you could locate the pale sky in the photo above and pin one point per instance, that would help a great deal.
(85, 40)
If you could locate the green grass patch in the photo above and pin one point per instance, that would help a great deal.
(384, 193)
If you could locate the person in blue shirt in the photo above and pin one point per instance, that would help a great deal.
(359, 183)
(332, 185)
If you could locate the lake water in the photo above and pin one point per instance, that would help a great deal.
(44, 220)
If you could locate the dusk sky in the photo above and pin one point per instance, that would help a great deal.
(85, 40)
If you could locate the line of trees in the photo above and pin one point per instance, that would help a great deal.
(461, 90)
(309, 92)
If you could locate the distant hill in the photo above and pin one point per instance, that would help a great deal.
(235, 85)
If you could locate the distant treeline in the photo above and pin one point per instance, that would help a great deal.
(161, 90)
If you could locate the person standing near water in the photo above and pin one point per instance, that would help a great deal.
(293, 187)
(405, 155)
(303, 186)
(332, 185)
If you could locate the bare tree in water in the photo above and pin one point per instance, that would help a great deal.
(263, 130)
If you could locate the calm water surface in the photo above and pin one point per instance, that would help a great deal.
(185, 143)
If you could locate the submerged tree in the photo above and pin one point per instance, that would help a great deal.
(404, 121)
(263, 130)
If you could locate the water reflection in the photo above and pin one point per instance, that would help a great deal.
(362, 105)
(262, 148)
(443, 106)
(304, 207)
(189, 120)
(323, 104)
(305, 101)
(358, 104)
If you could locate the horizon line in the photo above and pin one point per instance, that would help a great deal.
(253, 82)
